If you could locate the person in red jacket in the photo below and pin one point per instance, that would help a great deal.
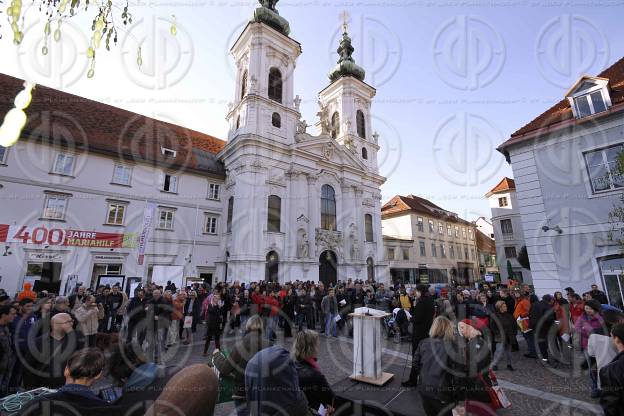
(273, 306)
(577, 307)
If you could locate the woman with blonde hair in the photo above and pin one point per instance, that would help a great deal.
(431, 364)
(236, 362)
(311, 381)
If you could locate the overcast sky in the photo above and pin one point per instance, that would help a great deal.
(453, 82)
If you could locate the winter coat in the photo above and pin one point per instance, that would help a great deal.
(431, 364)
(89, 318)
(236, 362)
(213, 316)
(178, 308)
(612, 383)
(522, 309)
(470, 360)
(422, 318)
(314, 385)
(503, 327)
(272, 385)
(587, 325)
(328, 304)
(541, 318)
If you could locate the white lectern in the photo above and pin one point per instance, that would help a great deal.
(367, 346)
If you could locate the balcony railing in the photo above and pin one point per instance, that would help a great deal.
(508, 236)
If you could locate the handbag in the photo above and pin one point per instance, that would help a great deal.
(499, 399)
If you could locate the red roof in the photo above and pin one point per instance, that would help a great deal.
(560, 114)
(86, 125)
(505, 185)
(485, 244)
(412, 203)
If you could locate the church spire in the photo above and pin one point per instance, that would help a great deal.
(346, 64)
(269, 15)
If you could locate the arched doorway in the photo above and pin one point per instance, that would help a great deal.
(370, 269)
(272, 267)
(328, 268)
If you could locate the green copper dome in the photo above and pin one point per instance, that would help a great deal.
(346, 64)
(269, 15)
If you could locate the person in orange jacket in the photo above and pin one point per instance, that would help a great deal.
(27, 292)
(522, 310)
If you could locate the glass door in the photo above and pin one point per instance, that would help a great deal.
(613, 280)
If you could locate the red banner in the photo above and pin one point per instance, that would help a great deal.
(41, 235)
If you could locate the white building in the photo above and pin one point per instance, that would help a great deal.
(74, 189)
(273, 202)
(428, 244)
(508, 233)
(564, 165)
(485, 226)
(299, 206)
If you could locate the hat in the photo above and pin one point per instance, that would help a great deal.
(466, 292)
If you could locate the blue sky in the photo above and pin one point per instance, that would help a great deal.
(452, 81)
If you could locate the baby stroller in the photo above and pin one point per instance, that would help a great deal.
(397, 326)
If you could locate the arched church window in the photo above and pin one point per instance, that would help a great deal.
(361, 124)
(244, 85)
(275, 85)
(328, 208)
(368, 227)
(364, 153)
(370, 269)
(276, 120)
(335, 125)
(274, 214)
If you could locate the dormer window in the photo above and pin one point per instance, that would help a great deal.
(589, 96)
(168, 153)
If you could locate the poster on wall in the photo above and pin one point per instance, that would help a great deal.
(111, 280)
(163, 274)
(70, 284)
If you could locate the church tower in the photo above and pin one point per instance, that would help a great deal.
(346, 104)
(265, 59)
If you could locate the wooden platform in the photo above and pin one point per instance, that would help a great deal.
(385, 377)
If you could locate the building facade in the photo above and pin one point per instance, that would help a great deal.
(428, 244)
(508, 231)
(77, 189)
(91, 190)
(299, 206)
(567, 184)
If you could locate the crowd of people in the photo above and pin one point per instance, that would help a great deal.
(104, 351)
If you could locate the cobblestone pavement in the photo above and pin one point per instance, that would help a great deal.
(535, 388)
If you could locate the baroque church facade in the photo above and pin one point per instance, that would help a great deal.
(298, 205)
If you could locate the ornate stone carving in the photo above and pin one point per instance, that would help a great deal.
(297, 102)
(303, 219)
(327, 151)
(328, 240)
(368, 202)
(355, 244)
(324, 118)
(253, 83)
(376, 137)
(303, 244)
(302, 127)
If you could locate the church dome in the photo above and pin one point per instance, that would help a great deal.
(346, 66)
(269, 15)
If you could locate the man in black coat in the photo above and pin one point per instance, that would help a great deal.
(136, 317)
(612, 377)
(51, 352)
(422, 318)
(192, 307)
(541, 320)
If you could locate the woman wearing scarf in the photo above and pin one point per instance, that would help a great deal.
(311, 381)
(590, 322)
